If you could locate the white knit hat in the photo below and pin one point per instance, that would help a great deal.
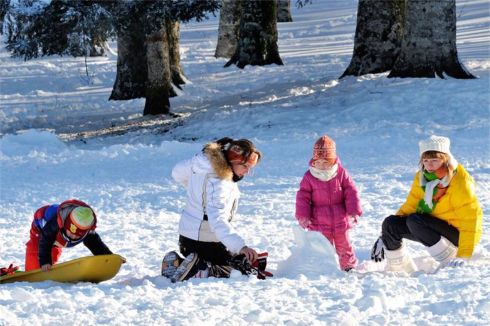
(435, 143)
(438, 144)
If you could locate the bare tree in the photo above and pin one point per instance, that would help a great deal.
(284, 11)
(173, 34)
(257, 43)
(159, 81)
(148, 62)
(229, 22)
(429, 41)
(144, 66)
(378, 36)
(4, 7)
(131, 70)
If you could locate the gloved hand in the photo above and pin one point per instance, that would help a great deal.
(353, 219)
(378, 251)
(304, 223)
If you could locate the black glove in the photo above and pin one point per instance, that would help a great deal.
(378, 250)
(241, 263)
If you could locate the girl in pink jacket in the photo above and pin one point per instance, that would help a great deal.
(328, 201)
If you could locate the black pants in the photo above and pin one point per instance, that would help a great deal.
(213, 252)
(422, 228)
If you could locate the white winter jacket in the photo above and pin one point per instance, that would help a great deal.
(208, 174)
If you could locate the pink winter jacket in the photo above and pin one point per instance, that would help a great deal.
(327, 204)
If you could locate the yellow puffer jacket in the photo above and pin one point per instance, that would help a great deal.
(459, 207)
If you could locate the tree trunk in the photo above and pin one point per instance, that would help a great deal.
(177, 73)
(159, 83)
(229, 22)
(98, 46)
(4, 8)
(131, 66)
(429, 41)
(378, 36)
(284, 11)
(257, 43)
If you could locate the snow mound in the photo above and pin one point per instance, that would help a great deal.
(312, 256)
(31, 143)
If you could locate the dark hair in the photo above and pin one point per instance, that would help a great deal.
(246, 145)
(224, 141)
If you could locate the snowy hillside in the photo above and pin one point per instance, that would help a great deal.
(376, 123)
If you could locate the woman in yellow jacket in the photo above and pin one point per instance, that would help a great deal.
(441, 212)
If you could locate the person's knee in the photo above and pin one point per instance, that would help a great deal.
(342, 239)
(31, 262)
(415, 222)
(387, 223)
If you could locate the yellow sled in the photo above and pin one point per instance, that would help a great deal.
(93, 269)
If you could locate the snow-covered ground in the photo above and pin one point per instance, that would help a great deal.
(376, 122)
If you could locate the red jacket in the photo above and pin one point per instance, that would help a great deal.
(47, 228)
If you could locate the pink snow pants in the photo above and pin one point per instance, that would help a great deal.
(341, 241)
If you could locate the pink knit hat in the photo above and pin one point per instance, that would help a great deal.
(324, 148)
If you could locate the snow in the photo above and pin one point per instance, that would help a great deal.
(376, 123)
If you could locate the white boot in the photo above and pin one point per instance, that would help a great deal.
(399, 261)
(443, 251)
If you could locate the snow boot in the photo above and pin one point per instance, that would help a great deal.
(220, 271)
(171, 261)
(187, 269)
(443, 251)
(399, 261)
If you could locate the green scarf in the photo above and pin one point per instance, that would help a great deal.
(430, 176)
(429, 182)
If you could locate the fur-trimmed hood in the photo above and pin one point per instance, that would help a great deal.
(218, 161)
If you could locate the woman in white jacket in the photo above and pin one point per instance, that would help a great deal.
(206, 234)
